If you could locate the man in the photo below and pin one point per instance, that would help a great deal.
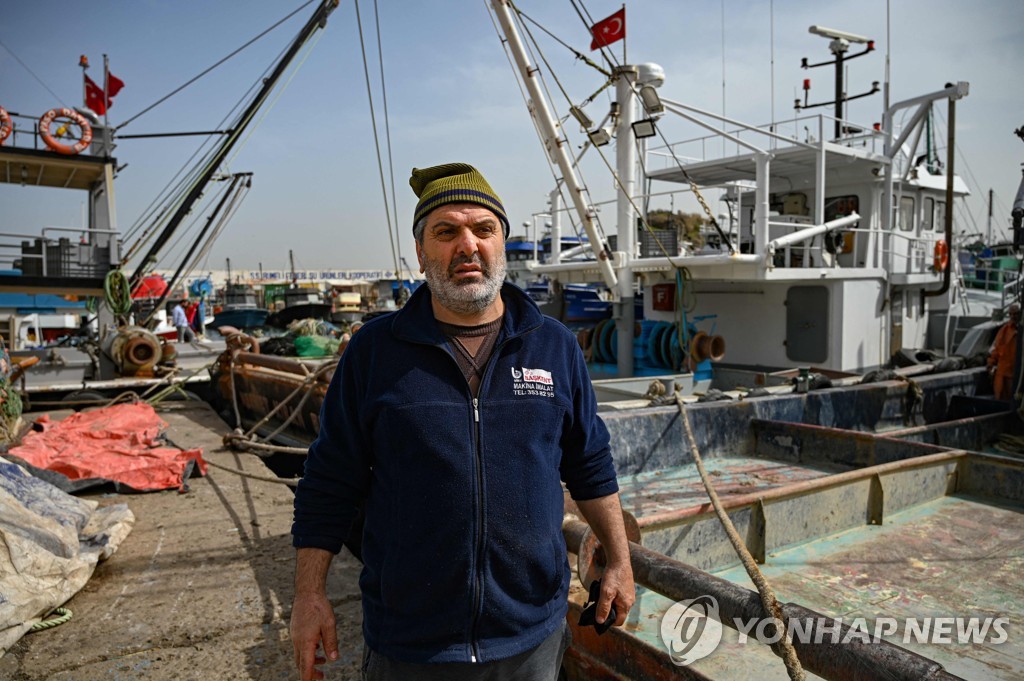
(452, 423)
(180, 321)
(200, 320)
(1002, 360)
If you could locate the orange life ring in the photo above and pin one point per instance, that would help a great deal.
(76, 118)
(941, 261)
(5, 124)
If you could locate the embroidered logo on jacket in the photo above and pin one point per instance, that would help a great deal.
(532, 382)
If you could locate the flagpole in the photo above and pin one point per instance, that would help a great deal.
(83, 61)
(106, 100)
(624, 60)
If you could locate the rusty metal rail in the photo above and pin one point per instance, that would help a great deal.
(851, 661)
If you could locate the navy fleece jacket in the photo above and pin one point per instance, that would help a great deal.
(462, 545)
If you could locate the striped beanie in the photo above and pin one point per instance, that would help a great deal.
(453, 183)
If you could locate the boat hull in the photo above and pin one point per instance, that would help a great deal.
(239, 319)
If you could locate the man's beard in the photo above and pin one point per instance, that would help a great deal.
(470, 297)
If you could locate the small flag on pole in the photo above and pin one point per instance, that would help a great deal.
(94, 98)
(608, 31)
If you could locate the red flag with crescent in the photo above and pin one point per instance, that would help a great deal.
(94, 98)
(608, 31)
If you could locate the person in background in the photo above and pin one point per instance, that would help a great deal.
(199, 323)
(1002, 359)
(180, 321)
(450, 426)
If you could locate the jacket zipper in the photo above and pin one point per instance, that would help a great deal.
(474, 655)
(479, 543)
(478, 539)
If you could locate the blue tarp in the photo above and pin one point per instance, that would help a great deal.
(42, 303)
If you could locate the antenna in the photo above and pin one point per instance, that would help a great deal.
(839, 46)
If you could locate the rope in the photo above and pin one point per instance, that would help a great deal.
(63, 615)
(238, 440)
(264, 478)
(768, 600)
(248, 439)
(118, 292)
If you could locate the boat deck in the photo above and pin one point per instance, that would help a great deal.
(652, 494)
(952, 557)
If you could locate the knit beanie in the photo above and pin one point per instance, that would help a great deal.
(453, 183)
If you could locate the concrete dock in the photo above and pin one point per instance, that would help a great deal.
(201, 588)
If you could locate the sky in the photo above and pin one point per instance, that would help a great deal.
(452, 96)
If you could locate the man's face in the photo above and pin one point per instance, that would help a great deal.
(463, 256)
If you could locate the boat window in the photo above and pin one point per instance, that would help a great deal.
(906, 216)
(928, 219)
(841, 206)
(940, 216)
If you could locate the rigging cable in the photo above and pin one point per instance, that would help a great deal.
(172, 197)
(387, 133)
(211, 68)
(194, 168)
(585, 187)
(536, 128)
(693, 185)
(600, 153)
(233, 207)
(376, 140)
(240, 124)
(280, 91)
(579, 55)
(33, 74)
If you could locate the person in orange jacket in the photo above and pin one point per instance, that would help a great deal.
(1002, 359)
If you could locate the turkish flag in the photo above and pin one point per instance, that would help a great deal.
(94, 93)
(608, 31)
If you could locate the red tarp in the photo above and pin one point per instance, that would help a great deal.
(117, 443)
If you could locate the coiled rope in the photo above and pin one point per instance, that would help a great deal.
(768, 599)
(118, 292)
(63, 615)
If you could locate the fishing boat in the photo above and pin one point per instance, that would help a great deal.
(73, 149)
(298, 302)
(238, 306)
(839, 250)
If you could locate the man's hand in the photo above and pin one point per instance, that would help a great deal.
(313, 620)
(605, 517)
(616, 586)
(312, 623)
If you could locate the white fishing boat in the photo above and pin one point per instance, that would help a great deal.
(838, 248)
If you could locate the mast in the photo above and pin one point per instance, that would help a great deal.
(318, 20)
(988, 230)
(291, 264)
(556, 144)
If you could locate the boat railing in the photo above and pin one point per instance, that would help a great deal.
(26, 135)
(915, 258)
(47, 256)
(797, 131)
(995, 274)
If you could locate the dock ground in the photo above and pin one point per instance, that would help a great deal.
(201, 588)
